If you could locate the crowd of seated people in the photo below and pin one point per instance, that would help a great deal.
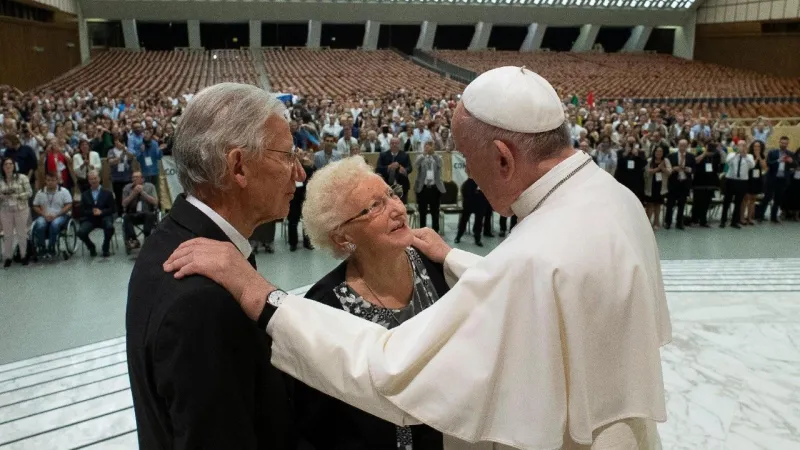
(122, 137)
(61, 148)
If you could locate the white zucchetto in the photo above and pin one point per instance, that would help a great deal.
(514, 99)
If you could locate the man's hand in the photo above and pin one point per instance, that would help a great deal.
(402, 170)
(224, 264)
(138, 189)
(431, 244)
(96, 211)
(49, 217)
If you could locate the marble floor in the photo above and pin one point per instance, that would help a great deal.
(732, 371)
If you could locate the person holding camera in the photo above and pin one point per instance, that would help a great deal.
(140, 203)
(707, 167)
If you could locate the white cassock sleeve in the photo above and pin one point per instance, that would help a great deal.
(329, 349)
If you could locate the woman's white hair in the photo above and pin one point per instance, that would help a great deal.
(322, 211)
(220, 118)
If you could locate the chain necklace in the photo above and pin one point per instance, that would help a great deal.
(558, 185)
(380, 302)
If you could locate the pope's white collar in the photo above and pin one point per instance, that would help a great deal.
(533, 195)
(233, 234)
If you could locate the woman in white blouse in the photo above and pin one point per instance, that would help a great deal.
(85, 161)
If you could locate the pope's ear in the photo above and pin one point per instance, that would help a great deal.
(505, 159)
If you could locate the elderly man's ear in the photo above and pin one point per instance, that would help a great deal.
(236, 167)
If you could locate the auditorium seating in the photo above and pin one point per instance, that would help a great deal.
(122, 72)
(333, 73)
(623, 75)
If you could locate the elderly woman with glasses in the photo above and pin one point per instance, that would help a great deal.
(352, 213)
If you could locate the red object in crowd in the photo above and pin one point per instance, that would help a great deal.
(590, 99)
(51, 166)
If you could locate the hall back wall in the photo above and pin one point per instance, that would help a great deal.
(35, 52)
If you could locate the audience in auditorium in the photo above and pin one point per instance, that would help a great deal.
(72, 134)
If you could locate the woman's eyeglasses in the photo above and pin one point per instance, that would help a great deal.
(378, 206)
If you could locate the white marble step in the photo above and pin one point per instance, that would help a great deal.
(80, 434)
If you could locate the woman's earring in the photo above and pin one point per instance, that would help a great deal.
(350, 247)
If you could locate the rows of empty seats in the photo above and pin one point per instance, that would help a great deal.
(233, 66)
(619, 75)
(121, 72)
(337, 73)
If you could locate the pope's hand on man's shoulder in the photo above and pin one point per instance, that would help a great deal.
(223, 263)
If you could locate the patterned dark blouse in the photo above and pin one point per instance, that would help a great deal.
(424, 296)
(330, 424)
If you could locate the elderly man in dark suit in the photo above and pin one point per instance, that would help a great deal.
(429, 186)
(97, 211)
(395, 167)
(199, 367)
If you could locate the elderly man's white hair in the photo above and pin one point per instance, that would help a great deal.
(220, 118)
(322, 212)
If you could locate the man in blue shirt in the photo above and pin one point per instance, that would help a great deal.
(149, 154)
(135, 138)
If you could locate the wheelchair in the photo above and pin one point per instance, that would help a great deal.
(66, 244)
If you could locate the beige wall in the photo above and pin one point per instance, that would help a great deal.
(726, 11)
(35, 52)
(742, 45)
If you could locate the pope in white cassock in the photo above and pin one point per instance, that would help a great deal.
(551, 341)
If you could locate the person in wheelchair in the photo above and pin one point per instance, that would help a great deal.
(140, 206)
(52, 205)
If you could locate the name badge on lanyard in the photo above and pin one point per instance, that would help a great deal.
(139, 206)
(631, 164)
(659, 176)
(429, 175)
(781, 166)
(121, 167)
(148, 161)
(756, 173)
(681, 176)
(16, 164)
(797, 174)
(709, 168)
(60, 167)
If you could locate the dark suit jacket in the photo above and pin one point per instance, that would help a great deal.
(199, 367)
(774, 157)
(330, 424)
(474, 200)
(105, 203)
(386, 158)
(674, 183)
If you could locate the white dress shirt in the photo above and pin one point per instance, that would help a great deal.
(738, 167)
(238, 240)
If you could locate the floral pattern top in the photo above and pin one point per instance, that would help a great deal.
(424, 296)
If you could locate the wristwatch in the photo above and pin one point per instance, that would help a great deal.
(276, 297)
(274, 300)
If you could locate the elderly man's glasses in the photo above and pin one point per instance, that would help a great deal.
(378, 206)
(289, 158)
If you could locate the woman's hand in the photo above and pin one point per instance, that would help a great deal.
(225, 265)
(431, 244)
